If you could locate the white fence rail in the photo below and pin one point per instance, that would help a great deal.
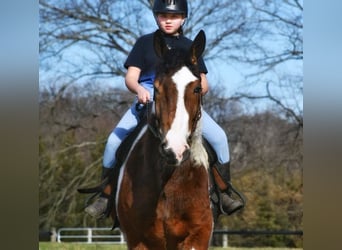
(106, 235)
(90, 235)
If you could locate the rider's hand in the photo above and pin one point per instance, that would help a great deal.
(143, 95)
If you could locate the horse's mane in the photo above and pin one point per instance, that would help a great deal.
(198, 152)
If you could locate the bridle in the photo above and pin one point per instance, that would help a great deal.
(198, 91)
(150, 112)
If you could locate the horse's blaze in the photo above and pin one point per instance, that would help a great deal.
(179, 132)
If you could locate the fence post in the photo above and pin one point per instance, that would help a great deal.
(89, 235)
(225, 238)
(53, 236)
(122, 238)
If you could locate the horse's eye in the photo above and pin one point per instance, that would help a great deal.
(197, 90)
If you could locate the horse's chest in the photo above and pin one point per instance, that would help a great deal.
(181, 194)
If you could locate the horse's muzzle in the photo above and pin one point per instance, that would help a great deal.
(172, 157)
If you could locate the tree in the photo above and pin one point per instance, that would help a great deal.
(266, 162)
(91, 39)
(276, 56)
(74, 125)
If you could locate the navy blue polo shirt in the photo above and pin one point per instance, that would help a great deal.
(144, 57)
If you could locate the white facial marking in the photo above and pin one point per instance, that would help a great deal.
(179, 131)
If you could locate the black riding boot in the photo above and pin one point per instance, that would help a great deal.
(221, 174)
(98, 209)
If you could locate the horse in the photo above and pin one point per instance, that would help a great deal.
(162, 199)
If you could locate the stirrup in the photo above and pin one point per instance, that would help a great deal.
(110, 202)
(98, 208)
(240, 195)
(231, 205)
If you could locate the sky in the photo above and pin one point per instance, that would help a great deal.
(228, 75)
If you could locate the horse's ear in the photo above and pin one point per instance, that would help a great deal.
(197, 46)
(159, 43)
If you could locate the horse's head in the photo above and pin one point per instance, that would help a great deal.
(177, 96)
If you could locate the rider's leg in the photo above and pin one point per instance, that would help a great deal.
(217, 138)
(98, 209)
(221, 173)
(127, 123)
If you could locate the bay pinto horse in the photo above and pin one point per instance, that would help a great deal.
(163, 192)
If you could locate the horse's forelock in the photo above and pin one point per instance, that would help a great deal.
(174, 59)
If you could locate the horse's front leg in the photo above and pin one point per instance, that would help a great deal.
(196, 242)
(200, 232)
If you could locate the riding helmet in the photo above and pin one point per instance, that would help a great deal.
(171, 6)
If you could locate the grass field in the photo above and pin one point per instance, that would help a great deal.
(75, 246)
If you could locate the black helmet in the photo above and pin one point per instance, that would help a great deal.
(171, 6)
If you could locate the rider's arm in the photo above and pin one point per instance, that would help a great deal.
(131, 80)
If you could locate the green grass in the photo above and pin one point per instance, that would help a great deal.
(76, 246)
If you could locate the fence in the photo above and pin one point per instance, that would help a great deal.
(88, 235)
(225, 233)
(109, 236)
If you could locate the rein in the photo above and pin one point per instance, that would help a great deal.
(147, 110)
(146, 113)
(198, 116)
(150, 109)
